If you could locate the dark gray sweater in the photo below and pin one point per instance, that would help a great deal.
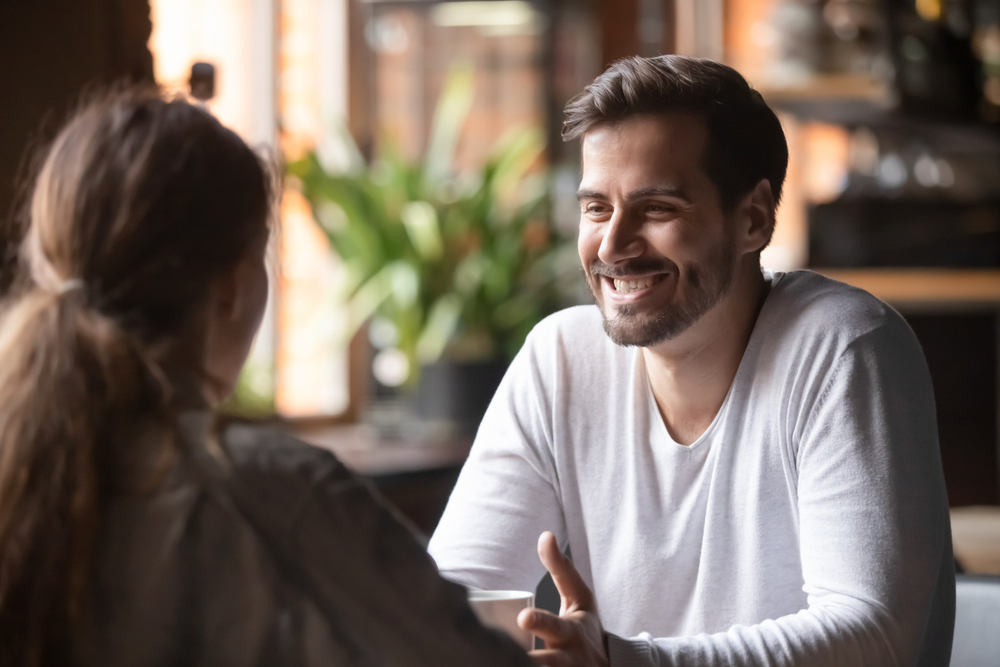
(257, 549)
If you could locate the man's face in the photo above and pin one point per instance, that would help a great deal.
(655, 245)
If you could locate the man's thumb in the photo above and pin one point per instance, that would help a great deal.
(574, 592)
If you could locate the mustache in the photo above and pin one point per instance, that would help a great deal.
(632, 267)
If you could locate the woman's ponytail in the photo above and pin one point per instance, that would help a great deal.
(68, 375)
(139, 205)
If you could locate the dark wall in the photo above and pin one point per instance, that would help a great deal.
(51, 51)
(961, 351)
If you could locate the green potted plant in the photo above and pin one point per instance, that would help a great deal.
(453, 269)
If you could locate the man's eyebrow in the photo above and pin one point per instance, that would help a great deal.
(661, 191)
(658, 191)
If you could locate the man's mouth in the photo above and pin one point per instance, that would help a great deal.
(630, 285)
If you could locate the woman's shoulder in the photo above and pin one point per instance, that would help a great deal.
(287, 486)
(271, 450)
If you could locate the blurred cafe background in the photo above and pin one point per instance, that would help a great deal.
(428, 217)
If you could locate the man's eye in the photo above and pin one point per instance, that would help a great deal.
(596, 209)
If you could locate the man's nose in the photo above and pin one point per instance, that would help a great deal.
(621, 240)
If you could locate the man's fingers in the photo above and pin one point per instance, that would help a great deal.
(574, 592)
(546, 625)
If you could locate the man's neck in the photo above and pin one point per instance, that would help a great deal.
(690, 375)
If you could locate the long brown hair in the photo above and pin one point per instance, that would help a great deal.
(139, 205)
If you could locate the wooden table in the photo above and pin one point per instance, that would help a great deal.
(975, 532)
(361, 450)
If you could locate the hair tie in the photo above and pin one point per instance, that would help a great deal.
(69, 286)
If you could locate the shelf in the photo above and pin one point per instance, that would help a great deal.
(926, 288)
(838, 99)
(841, 87)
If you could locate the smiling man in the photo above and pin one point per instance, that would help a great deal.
(743, 464)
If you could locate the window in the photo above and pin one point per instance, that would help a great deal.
(277, 64)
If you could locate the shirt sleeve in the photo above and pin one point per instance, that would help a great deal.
(507, 493)
(874, 529)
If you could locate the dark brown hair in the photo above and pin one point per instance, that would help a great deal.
(139, 205)
(746, 143)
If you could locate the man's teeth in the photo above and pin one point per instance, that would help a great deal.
(626, 286)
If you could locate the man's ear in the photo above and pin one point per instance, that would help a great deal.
(757, 219)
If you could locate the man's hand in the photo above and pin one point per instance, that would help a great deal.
(574, 638)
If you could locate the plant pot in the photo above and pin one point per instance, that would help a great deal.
(458, 393)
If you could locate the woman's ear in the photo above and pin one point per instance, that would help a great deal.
(757, 218)
(225, 295)
(234, 292)
(234, 310)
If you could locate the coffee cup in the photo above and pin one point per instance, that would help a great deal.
(499, 609)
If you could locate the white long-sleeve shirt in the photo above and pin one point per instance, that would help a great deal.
(808, 525)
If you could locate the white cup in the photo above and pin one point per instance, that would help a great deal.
(499, 609)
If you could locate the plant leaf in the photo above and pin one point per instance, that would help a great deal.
(449, 119)
(337, 153)
(441, 323)
(367, 299)
(519, 149)
(422, 225)
(404, 283)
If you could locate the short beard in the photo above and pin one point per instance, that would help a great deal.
(706, 285)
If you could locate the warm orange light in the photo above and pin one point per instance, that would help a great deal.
(789, 246)
(310, 377)
(312, 363)
(310, 324)
(929, 10)
(750, 39)
(827, 157)
(213, 31)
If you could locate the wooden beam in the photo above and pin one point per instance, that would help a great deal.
(619, 20)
